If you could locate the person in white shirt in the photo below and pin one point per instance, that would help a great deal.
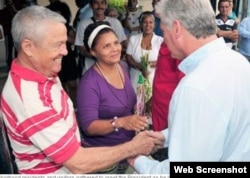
(209, 113)
(131, 17)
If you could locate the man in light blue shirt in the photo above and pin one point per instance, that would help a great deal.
(209, 115)
(84, 11)
(244, 33)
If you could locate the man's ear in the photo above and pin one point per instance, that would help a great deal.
(177, 28)
(27, 46)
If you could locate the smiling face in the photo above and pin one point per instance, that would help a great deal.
(148, 24)
(45, 56)
(98, 6)
(107, 48)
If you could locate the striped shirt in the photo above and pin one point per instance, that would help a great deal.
(40, 121)
(228, 25)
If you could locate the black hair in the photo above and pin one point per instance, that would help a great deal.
(90, 28)
(145, 14)
(91, 1)
(81, 3)
(221, 1)
(62, 8)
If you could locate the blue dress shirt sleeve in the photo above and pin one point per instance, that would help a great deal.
(145, 165)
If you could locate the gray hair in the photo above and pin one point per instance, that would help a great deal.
(29, 23)
(196, 16)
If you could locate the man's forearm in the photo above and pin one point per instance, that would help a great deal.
(89, 160)
(232, 35)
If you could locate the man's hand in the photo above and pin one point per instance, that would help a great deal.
(144, 144)
(148, 142)
(232, 35)
(158, 137)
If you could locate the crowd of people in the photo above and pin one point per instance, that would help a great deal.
(68, 104)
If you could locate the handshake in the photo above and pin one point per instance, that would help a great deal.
(146, 143)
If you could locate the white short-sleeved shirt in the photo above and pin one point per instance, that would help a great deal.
(135, 50)
(133, 20)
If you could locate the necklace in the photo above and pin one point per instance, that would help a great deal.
(108, 83)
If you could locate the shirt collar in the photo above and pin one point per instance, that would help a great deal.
(28, 74)
(192, 61)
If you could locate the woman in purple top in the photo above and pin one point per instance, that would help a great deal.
(105, 97)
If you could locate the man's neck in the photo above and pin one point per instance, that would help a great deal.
(224, 17)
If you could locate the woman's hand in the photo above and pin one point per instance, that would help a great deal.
(145, 73)
(133, 122)
(133, 63)
(152, 64)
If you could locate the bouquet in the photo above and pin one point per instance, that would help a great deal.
(147, 85)
(144, 62)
